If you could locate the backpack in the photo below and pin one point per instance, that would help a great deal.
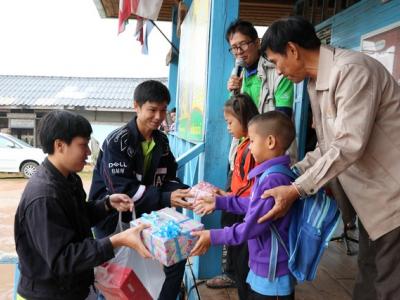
(313, 222)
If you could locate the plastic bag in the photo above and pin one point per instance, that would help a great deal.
(202, 189)
(128, 275)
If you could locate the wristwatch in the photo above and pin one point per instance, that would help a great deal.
(107, 203)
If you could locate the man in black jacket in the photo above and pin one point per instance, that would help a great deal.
(136, 160)
(53, 238)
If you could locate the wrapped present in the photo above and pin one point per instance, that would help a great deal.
(202, 189)
(168, 238)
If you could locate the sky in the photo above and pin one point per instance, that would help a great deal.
(69, 38)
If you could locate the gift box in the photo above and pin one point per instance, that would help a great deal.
(117, 282)
(202, 189)
(168, 238)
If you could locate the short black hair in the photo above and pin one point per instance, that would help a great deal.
(242, 107)
(293, 29)
(63, 125)
(173, 110)
(275, 123)
(244, 27)
(151, 91)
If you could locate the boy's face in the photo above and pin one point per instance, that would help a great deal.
(151, 114)
(173, 116)
(72, 158)
(260, 146)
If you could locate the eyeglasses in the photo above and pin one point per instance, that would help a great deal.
(243, 46)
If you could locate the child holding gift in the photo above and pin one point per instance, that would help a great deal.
(270, 136)
(238, 111)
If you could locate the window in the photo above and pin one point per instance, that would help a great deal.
(6, 143)
(384, 45)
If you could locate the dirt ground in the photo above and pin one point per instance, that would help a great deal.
(11, 188)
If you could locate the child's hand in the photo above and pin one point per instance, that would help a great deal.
(220, 192)
(202, 244)
(204, 205)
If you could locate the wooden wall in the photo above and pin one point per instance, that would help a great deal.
(363, 17)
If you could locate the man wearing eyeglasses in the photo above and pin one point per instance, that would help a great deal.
(259, 79)
(269, 91)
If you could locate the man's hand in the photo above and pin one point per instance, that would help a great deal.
(121, 202)
(284, 197)
(234, 83)
(178, 198)
(131, 238)
(202, 244)
(204, 206)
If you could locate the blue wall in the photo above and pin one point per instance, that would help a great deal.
(359, 19)
(211, 165)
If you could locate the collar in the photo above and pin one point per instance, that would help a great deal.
(134, 130)
(243, 139)
(56, 174)
(137, 136)
(325, 65)
(263, 66)
(261, 168)
(251, 70)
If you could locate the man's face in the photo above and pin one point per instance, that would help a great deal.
(289, 65)
(239, 42)
(73, 156)
(151, 114)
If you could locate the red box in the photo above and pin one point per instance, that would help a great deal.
(119, 283)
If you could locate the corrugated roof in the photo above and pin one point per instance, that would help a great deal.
(91, 93)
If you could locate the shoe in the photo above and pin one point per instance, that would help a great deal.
(220, 282)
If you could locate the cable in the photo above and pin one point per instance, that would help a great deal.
(194, 281)
(173, 46)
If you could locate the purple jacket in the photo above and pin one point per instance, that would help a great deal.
(257, 235)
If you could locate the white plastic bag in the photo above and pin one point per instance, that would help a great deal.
(113, 274)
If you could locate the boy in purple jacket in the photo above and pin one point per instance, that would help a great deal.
(270, 135)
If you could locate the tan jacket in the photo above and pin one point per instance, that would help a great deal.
(356, 108)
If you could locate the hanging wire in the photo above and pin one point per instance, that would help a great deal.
(173, 46)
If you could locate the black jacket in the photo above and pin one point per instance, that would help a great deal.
(119, 169)
(53, 238)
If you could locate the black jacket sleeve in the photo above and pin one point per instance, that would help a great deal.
(96, 211)
(119, 176)
(51, 233)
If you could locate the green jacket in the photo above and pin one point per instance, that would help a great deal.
(259, 88)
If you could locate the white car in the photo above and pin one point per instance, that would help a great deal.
(18, 156)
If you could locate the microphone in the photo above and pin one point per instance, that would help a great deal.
(237, 70)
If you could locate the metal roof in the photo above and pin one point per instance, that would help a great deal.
(51, 92)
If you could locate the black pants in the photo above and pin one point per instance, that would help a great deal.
(237, 258)
(379, 266)
(256, 296)
(172, 283)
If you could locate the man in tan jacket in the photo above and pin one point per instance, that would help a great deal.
(356, 107)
